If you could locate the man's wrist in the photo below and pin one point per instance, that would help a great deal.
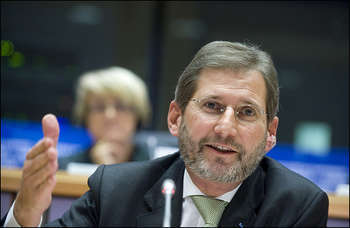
(25, 219)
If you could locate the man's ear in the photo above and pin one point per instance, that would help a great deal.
(271, 134)
(174, 118)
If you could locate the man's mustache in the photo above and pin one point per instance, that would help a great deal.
(219, 140)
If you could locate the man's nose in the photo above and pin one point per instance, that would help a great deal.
(226, 124)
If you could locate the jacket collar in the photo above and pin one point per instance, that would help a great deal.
(155, 200)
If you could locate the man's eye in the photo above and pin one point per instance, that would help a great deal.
(212, 106)
(247, 112)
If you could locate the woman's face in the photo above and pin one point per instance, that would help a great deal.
(108, 119)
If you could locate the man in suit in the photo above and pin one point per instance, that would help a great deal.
(225, 117)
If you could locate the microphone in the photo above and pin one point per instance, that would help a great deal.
(168, 190)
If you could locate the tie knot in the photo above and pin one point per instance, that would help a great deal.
(210, 209)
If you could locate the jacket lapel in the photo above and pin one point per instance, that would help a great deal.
(241, 211)
(155, 202)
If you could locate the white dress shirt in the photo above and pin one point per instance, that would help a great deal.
(11, 221)
(190, 214)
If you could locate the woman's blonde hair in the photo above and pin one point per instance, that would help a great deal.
(115, 81)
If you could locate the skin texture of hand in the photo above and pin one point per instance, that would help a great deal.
(39, 176)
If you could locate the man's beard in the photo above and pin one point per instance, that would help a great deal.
(194, 158)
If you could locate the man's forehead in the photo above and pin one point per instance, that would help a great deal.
(225, 82)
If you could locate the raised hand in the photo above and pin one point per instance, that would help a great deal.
(38, 177)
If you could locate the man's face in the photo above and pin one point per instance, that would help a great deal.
(223, 131)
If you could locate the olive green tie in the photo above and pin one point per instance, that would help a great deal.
(210, 209)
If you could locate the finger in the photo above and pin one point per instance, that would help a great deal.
(31, 166)
(50, 127)
(48, 185)
(39, 147)
(45, 190)
(40, 176)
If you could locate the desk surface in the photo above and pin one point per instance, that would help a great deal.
(76, 185)
(66, 184)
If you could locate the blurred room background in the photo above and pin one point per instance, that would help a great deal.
(45, 46)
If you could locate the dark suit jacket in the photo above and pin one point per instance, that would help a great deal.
(129, 194)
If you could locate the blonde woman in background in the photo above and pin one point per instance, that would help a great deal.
(112, 104)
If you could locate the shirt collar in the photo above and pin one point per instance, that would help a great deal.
(190, 189)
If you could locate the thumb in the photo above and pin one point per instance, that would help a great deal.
(50, 127)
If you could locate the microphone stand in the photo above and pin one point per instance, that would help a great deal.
(168, 190)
